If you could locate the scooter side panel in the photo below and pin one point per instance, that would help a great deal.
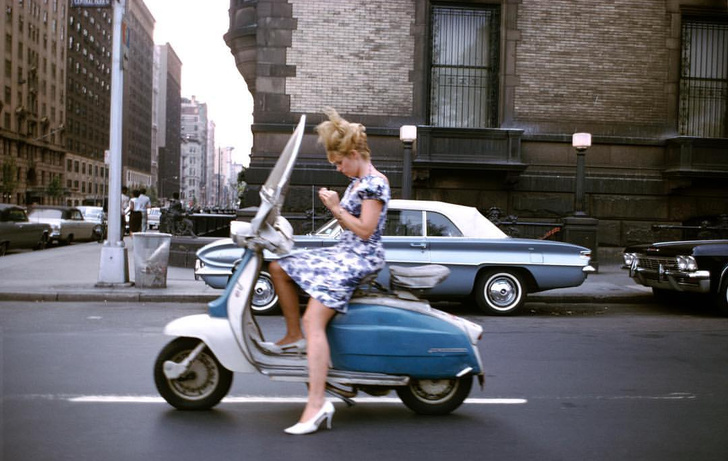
(216, 333)
(382, 339)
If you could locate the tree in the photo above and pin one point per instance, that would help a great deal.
(55, 187)
(9, 179)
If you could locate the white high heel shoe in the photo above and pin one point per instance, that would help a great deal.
(298, 347)
(326, 413)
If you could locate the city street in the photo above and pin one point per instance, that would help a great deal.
(576, 382)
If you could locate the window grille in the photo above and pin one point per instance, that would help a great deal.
(704, 79)
(464, 67)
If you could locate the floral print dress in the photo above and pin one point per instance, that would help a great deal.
(330, 275)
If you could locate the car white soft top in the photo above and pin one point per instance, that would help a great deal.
(468, 219)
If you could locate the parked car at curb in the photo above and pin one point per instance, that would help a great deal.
(96, 215)
(485, 264)
(17, 232)
(153, 218)
(67, 224)
(694, 266)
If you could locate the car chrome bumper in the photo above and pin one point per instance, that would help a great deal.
(215, 278)
(692, 282)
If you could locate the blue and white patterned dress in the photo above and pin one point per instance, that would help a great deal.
(330, 275)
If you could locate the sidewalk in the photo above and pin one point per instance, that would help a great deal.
(70, 273)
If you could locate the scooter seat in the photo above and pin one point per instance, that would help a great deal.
(417, 277)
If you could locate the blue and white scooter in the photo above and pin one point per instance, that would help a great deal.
(386, 340)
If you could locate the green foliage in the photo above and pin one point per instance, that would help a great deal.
(55, 187)
(9, 177)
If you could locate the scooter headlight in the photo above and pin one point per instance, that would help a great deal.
(687, 263)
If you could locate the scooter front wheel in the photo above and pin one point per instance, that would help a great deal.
(435, 396)
(201, 387)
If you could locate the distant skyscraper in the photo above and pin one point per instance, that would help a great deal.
(167, 122)
(193, 150)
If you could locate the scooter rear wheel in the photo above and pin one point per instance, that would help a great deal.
(202, 387)
(435, 396)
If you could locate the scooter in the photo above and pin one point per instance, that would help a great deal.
(389, 339)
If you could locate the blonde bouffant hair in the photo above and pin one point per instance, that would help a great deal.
(340, 137)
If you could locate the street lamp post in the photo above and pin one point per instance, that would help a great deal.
(113, 265)
(581, 142)
(408, 135)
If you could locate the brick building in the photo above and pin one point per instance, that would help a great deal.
(497, 88)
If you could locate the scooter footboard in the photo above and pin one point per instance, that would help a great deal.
(216, 333)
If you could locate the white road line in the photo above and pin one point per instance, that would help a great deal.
(263, 399)
(675, 396)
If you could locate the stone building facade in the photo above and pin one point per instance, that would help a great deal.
(55, 101)
(32, 101)
(138, 96)
(497, 88)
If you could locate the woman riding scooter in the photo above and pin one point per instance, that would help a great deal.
(330, 275)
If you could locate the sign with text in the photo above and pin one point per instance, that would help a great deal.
(90, 3)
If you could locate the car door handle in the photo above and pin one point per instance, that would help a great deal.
(418, 245)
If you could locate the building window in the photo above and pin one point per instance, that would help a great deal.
(464, 68)
(704, 78)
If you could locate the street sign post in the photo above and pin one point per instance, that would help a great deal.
(90, 3)
(114, 267)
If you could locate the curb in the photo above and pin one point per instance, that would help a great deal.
(108, 297)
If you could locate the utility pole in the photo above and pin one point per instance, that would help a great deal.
(114, 267)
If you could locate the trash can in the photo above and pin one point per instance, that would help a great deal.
(151, 259)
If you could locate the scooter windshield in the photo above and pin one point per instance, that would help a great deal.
(273, 192)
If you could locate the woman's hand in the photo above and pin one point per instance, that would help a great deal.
(364, 225)
(329, 198)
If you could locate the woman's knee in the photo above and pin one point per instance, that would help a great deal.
(276, 271)
(317, 316)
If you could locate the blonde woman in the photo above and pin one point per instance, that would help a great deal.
(330, 275)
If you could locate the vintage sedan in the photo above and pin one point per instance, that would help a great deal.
(67, 224)
(17, 232)
(96, 215)
(497, 270)
(153, 216)
(693, 266)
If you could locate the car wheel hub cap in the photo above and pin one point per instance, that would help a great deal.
(263, 293)
(502, 292)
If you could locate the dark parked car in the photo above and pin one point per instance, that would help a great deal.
(696, 266)
(486, 265)
(17, 232)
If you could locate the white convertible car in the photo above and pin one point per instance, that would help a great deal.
(485, 264)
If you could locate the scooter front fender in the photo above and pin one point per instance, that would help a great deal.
(216, 333)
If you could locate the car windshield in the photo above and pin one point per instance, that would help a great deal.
(49, 214)
(330, 228)
(14, 215)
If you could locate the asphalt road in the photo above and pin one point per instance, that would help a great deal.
(583, 382)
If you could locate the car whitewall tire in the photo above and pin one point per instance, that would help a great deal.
(500, 292)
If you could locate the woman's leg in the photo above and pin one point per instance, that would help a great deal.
(315, 319)
(288, 300)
